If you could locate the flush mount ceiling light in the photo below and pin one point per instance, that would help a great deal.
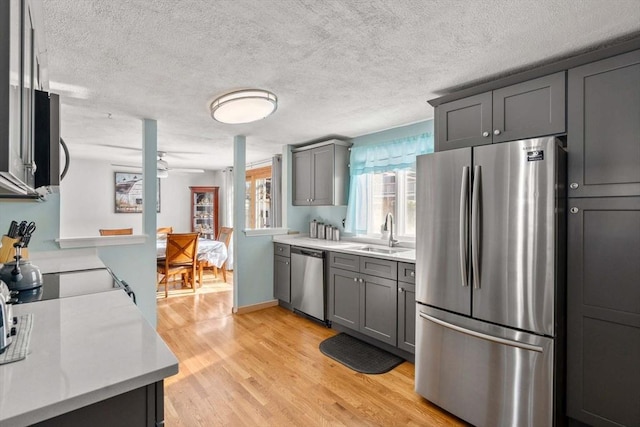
(244, 106)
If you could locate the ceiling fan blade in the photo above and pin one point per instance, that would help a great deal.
(118, 147)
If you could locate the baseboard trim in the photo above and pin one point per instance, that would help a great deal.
(255, 307)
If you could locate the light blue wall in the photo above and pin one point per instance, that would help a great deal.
(136, 264)
(45, 214)
(253, 270)
(298, 217)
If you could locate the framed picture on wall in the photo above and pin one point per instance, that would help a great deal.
(128, 193)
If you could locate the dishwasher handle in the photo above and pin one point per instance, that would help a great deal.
(307, 252)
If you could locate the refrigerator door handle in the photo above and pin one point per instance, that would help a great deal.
(483, 336)
(464, 219)
(475, 227)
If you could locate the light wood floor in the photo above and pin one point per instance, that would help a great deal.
(264, 369)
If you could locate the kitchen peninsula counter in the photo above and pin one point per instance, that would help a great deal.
(84, 350)
(352, 246)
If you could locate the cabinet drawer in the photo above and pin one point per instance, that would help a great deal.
(379, 267)
(406, 272)
(344, 261)
(281, 249)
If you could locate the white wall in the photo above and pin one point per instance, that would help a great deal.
(87, 199)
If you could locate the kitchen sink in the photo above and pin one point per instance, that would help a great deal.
(381, 250)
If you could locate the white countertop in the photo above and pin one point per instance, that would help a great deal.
(61, 261)
(347, 246)
(83, 349)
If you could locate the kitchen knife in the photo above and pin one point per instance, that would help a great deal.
(13, 230)
(21, 228)
(25, 240)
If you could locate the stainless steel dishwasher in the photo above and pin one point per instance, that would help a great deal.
(307, 282)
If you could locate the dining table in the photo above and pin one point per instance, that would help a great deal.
(211, 252)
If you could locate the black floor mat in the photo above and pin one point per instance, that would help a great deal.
(358, 355)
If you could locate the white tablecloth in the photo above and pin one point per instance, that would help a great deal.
(208, 250)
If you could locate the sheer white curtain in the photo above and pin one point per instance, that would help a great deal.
(227, 208)
(276, 191)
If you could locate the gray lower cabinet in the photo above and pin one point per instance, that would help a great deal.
(378, 317)
(321, 174)
(364, 302)
(604, 127)
(603, 311)
(407, 307)
(142, 407)
(282, 272)
(524, 110)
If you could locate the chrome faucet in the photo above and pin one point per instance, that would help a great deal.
(388, 225)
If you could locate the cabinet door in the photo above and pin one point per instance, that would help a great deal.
(378, 308)
(407, 316)
(379, 267)
(204, 211)
(603, 311)
(464, 123)
(322, 175)
(302, 178)
(344, 298)
(604, 127)
(530, 109)
(282, 278)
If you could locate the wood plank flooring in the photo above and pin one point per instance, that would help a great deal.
(264, 369)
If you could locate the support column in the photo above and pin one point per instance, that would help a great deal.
(149, 175)
(239, 173)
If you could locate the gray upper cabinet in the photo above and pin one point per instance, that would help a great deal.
(321, 174)
(530, 109)
(524, 110)
(604, 127)
(463, 123)
(301, 177)
(603, 311)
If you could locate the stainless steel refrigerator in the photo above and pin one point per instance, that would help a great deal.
(490, 287)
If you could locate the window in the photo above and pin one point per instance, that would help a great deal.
(258, 198)
(391, 192)
(382, 181)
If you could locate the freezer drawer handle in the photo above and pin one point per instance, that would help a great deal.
(464, 218)
(475, 227)
(480, 335)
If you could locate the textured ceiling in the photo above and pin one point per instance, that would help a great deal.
(338, 67)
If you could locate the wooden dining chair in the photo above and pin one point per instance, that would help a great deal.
(224, 235)
(164, 230)
(115, 231)
(181, 258)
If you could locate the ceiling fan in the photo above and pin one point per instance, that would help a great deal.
(162, 166)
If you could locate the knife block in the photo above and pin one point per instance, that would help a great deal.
(8, 252)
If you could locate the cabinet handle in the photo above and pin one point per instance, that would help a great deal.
(401, 290)
(496, 132)
(280, 249)
(573, 185)
(361, 280)
(286, 263)
(355, 279)
(412, 274)
(574, 210)
(485, 134)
